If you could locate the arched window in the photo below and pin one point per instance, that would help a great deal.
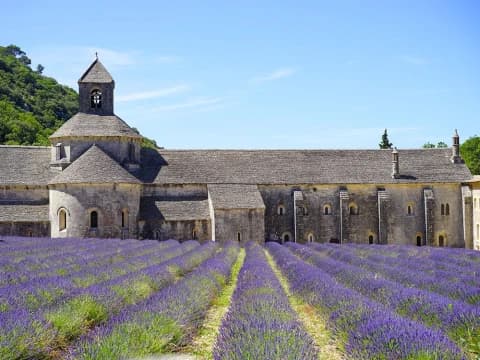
(327, 209)
(370, 239)
(124, 218)
(442, 209)
(441, 240)
(311, 237)
(62, 219)
(286, 237)
(353, 209)
(281, 210)
(447, 209)
(96, 99)
(94, 220)
(419, 240)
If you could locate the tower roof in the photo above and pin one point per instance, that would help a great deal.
(91, 125)
(96, 73)
(94, 166)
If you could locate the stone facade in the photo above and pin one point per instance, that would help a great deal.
(96, 181)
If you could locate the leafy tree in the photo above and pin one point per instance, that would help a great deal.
(385, 144)
(428, 145)
(40, 69)
(441, 145)
(470, 151)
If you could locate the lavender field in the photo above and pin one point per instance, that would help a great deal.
(123, 299)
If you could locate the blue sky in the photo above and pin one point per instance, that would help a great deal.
(269, 74)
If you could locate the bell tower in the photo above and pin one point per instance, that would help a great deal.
(96, 87)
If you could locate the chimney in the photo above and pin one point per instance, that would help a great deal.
(395, 165)
(456, 159)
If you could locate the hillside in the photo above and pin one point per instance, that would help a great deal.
(32, 106)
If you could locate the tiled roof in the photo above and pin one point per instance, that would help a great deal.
(299, 167)
(235, 196)
(25, 165)
(26, 213)
(94, 166)
(96, 73)
(83, 124)
(177, 210)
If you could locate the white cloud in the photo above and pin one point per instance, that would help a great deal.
(194, 103)
(275, 75)
(414, 60)
(153, 94)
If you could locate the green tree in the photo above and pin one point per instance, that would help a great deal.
(385, 144)
(428, 145)
(470, 151)
(442, 145)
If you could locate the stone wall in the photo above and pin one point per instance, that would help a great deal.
(29, 229)
(109, 200)
(24, 194)
(476, 215)
(179, 230)
(241, 225)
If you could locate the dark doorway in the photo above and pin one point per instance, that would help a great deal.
(441, 241)
(370, 239)
(419, 241)
(94, 220)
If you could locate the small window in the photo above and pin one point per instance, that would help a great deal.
(419, 240)
(194, 235)
(281, 210)
(409, 210)
(447, 209)
(124, 218)
(94, 220)
(353, 209)
(239, 237)
(442, 209)
(327, 210)
(62, 219)
(441, 241)
(96, 99)
(131, 152)
(157, 234)
(311, 238)
(370, 239)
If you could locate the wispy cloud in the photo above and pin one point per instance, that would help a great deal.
(414, 60)
(275, 75)
(153, 94)
(194, 103)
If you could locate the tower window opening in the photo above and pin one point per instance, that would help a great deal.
(96, 99)
(94, 220)
(62, 220)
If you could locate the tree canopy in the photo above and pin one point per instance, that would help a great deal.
(385, 143)
(470, 151)
(429, 145)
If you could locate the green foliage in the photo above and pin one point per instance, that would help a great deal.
(75, 316)
(385, 143)
(153, 335)
(440, 145)
(32, 106)
(470, 151)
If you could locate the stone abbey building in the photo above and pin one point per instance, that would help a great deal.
(96, 180)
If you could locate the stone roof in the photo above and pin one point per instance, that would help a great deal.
(299, 167)
(235, 196)
(94, 166)
(83, 124)
(174, 210)
(25, 165)
(23, 213)
(96, 73)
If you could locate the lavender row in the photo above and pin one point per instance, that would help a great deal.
(467, 261)
(169, 317)
(455, 318)
(40, 292)
(402, 273)
(23, 335)
(260, 324)
(76, 261)
(368, 329)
